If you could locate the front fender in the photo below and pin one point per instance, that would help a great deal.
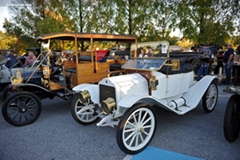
(129, 101)
(28, 85)
(91, 88)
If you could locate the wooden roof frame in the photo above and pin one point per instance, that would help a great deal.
(88, 36)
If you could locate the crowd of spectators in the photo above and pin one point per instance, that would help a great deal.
(226, 59)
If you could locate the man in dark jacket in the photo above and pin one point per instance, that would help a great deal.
(13, 59)
(228, 62)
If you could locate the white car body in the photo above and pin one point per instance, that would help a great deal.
(128, 101)
(129, 89)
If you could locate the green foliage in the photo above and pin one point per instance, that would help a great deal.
(6, 41)
(200, 21)
(206, 21)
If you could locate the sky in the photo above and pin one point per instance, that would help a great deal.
(3, 14)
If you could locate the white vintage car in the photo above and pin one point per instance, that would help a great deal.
(128, 101)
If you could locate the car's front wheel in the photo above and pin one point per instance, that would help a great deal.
(210, 98)
(232, 118)
(7, 91)
(136, 129)
(81, 113)
(21, 108)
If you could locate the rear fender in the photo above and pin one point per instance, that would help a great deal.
(91, 88)
(196, 92)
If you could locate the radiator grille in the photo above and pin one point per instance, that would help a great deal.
(107, 91)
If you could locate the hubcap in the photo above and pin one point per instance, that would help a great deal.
(23, 109)
(138, 128)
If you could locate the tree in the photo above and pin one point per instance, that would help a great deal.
(7, 42)
(212, 21)
(33, 18)
(205, 20)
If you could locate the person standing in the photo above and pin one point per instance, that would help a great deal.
(228, 63)
(206, 58)
(12, 59)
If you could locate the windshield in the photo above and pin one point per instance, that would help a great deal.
(144, 63)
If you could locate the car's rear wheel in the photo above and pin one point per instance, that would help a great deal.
(21, 108)
(81, 113)
(210, 98)
(136, 129)
(232, 118)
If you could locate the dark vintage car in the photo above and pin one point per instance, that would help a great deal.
(6, 73)
(231, 123)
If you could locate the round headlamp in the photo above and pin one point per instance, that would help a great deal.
(84, 96)
(108, 105)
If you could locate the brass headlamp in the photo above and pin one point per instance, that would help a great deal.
(108, 105)
(84, 96)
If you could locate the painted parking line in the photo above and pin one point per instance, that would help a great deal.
(152, 153)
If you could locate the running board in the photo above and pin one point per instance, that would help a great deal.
(181, 110)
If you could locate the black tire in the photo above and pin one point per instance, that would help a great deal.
(231, 125)
(7, 91)
(126, 137)
(21, 108)
(82, 115)
(210, 97)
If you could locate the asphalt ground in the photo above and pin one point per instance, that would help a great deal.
(56, 136)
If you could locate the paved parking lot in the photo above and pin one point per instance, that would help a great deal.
(56, 136)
